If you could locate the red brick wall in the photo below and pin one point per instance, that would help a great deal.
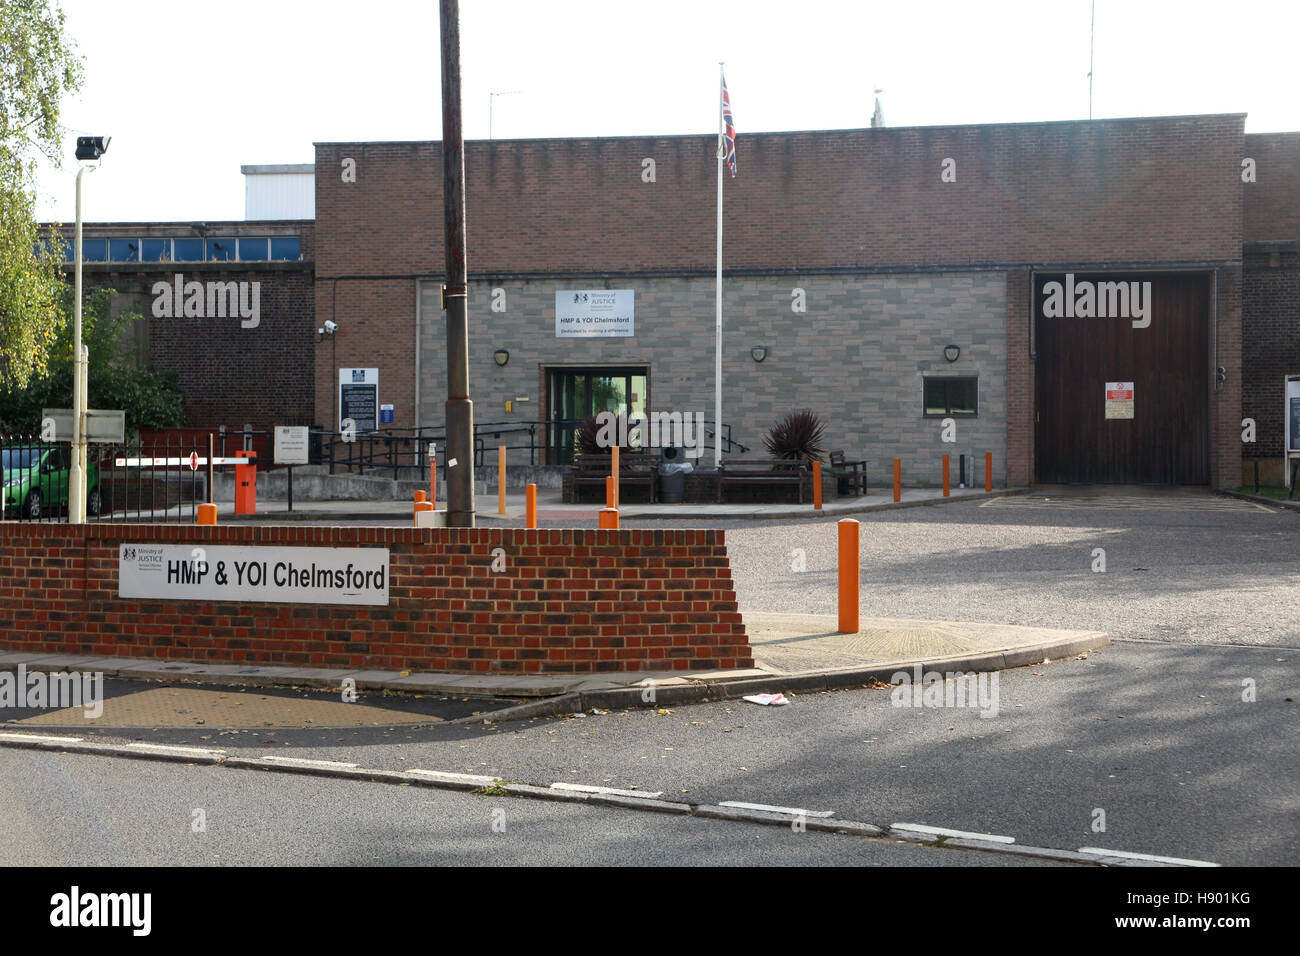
(1106, 191)
(1272, 203)
(1225, 402)
(1271, 343)
(376, 329)
(569, 601)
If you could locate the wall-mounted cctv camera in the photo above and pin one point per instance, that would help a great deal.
(331, 327)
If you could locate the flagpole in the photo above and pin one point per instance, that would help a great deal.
(717, 370)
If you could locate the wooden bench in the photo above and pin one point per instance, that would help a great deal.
(762, 471)
(634, 470)
(848, 474)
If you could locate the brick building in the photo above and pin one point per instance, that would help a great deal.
(887, 278)
(233, 370)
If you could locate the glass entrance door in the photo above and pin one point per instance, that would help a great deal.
(579, 393)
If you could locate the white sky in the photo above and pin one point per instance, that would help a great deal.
(191, 90)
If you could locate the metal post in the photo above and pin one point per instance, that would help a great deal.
(459, 408)
(77, 477)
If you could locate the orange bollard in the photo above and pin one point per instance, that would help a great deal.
(501, 479)
(207, 513)
(608, 518)
(849, 580)
(420, 505)
(613, 470)
(988, 471)
(817, 485)
(945, 476)
(530, 506)
(898, 479)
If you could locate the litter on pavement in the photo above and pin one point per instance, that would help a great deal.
(767, 699)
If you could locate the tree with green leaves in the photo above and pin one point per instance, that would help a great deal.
(150, 398)
(37, 68)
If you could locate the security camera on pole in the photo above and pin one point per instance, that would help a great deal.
(89, 148)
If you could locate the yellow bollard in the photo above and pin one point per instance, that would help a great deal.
(530, 506)
(848, 572)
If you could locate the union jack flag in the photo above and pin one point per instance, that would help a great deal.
(729, 130)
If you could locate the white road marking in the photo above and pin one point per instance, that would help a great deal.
(314, 763)
(1099, 851)
(458, 777)
(177, 749)
(797, 811)
(944, 831)
(584, 788)
(60, 740)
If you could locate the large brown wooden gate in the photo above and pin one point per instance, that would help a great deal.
(1167, 439)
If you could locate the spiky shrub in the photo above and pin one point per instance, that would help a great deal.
(797, 436)
(587, 438)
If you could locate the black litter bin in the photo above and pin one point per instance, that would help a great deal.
(673, 470)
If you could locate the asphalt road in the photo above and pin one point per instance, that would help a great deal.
(1157, 737)
(1216, 571)
(74, 810)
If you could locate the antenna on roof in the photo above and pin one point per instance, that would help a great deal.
(878, 116)
(1092, 27)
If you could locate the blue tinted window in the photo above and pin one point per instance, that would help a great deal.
(252, 250)
(124, 250)
(94, 250)
(156, 250)
(286, 248)
(222, 249)
(187, 250)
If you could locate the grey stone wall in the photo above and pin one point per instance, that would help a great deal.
(856, 356)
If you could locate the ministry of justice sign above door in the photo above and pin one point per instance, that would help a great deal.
(593, 313)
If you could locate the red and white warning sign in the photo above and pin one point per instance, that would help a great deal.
(1119, 399)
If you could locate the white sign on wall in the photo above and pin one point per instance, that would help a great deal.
(1292, 415)
(594, 313)
(359, 398)
(280, 575)
(1119, 399)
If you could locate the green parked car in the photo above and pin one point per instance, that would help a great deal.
(36, 480)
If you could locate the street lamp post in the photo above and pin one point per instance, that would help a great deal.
(88, 148)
